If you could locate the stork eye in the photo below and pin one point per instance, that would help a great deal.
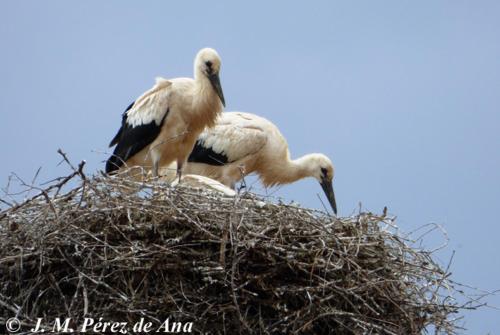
(209, 69)
(324, 172)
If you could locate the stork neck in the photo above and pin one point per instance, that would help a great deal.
(203, 85)
(299, 168)
(206, 103)
(287, 172)
(204, 93)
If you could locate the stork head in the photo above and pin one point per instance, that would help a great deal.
(321, 168)
(208, 63)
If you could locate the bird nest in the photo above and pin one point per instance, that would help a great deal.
(122, 250)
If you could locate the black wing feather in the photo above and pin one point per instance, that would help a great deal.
(202, 154)
(116, 139)
(131, 141)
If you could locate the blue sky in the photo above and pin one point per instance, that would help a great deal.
(403, 96)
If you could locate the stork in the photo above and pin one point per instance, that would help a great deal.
(162, 125)
(243, 143)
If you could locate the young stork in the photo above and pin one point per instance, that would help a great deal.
(243, 143)
(162, 125)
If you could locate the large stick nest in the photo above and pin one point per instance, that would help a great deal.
(124, 250)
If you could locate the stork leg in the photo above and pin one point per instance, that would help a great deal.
(155, 169)
(155, 159)
(179, 170)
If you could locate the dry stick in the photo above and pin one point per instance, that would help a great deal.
(8, 306)
(233, 289)
(46, 191)
(97, 282)
(222, 249)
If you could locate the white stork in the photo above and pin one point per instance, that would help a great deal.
(162, 125)
(243, 143)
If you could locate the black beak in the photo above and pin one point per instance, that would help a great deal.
(215, 81)
(328, 189)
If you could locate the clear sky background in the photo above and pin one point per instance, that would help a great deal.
(404, 96)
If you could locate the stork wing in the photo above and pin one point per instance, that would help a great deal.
(227, 143)
(141, 124)
(116, 139)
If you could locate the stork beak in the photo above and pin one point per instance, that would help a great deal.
(215, 81)
(328, 189)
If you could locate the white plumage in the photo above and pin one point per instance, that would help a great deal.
(151, 106)
(235, 136)
(243, 143)
(162, 125)
(209, 184)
